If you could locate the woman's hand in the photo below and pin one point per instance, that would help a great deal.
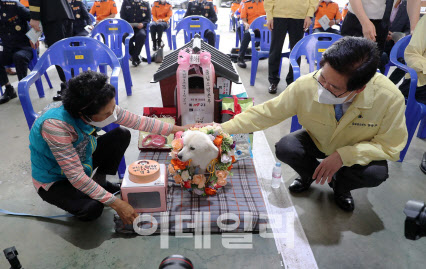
(125, 211)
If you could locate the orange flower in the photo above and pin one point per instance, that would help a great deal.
(172, 170)
(221, 181)
(177, 144)
(230, 167)
(210, 191)
(178, 164)
(218, 141)
(233, 159)
(200, 180)
(178, 179)
(222, 174)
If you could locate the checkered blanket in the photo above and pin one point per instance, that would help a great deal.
(241, 200)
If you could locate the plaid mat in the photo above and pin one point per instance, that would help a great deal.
(241, 198)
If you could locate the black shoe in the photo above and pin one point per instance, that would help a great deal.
(136, 62)
(154, 45)
(345, 201)
(159, 43)
(299, 185)
(423, 164)
(273, 88)
(9, 94)
(241, 63)
(112, 187)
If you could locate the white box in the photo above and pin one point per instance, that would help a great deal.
(149, 197)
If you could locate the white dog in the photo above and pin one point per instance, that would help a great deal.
(198, 147)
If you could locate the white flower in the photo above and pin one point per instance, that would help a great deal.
(185, 175)
(225, 158)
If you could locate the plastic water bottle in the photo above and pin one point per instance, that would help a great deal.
(276, 176)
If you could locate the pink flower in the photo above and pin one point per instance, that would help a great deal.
(178, 179)
(172, 171)
(177, 144)
(174, 154)
(178, 134)
(200, 180)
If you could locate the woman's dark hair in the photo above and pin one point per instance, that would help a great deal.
(354, 57)
(87, 93)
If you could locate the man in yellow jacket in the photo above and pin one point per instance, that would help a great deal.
(285, 16)
(353, 118)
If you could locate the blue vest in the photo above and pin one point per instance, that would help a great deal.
(44, 166)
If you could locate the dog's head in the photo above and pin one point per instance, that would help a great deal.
(197, 146)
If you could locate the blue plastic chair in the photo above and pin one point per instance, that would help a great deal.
(75, 54)
(265, 45)
(415, 112)
(177, 17)
(231, 26)
(311, 47)
(169, 33)
(193, 25)
(113, 31)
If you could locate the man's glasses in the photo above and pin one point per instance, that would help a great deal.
(337, 96)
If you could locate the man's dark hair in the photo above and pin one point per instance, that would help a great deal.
(87, 93)
(354, 57)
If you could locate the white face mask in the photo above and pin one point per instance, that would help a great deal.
(326, 97)
(105, 122)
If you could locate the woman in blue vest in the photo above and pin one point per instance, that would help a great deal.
(65, 148)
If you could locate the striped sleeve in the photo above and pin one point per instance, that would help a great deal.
(142, 123)
(59, 136)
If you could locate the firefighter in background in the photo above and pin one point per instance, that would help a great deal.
(103, 9)
(234, 7)
(161, 14)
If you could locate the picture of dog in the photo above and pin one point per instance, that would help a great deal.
(198, 147)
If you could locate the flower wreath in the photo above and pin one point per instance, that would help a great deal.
(219, 168)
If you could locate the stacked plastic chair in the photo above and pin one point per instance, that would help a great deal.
(265, 45)
(111, 32)
(193, 25)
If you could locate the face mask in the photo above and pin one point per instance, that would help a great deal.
(105, 122)
(326, 97)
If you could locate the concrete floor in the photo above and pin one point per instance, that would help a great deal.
(370, 237)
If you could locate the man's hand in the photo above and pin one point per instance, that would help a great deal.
(34, 46)
(307, 23)
(160, 20)
(389, 36)
(270, 24)
(35, 24)
(328, 167)
(140, 25)
(125, 211)
(369, 30)
(246, 26)
(332, 22)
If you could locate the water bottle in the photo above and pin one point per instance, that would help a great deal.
(276, 176)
